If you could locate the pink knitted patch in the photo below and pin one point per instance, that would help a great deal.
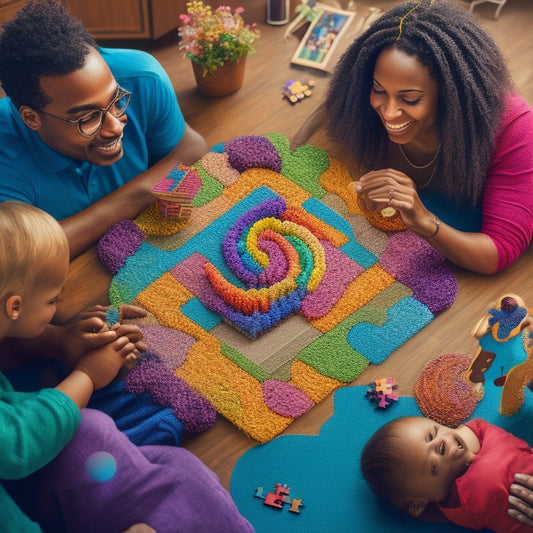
(284, 399)
(169, 345)
(340, 272)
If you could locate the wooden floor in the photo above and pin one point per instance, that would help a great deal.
(258, 108)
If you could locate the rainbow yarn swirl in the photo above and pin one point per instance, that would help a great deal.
(279, 261)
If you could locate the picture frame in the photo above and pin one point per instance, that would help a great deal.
(322, 37)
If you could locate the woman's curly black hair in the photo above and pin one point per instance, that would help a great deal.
(42, 39)
(473, 82)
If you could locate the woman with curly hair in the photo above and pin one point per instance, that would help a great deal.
(424, 102)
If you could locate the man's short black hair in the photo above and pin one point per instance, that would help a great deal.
(42, 39)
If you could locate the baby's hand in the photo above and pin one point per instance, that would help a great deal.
(86, 331)
(89, 330)
(104, 363)
(132, 331)
(135, 335)
(131, 312)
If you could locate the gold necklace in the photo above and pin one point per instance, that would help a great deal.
(411, 164)
(429, 179)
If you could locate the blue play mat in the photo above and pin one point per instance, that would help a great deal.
(323, 471)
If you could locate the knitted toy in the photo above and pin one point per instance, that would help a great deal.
(451, 386)
(502, 359)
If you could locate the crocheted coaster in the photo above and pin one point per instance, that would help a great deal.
(442, 391)
(285, 288)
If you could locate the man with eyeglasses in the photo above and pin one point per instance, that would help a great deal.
(85, 132)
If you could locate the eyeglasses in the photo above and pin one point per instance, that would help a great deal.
(90, 123)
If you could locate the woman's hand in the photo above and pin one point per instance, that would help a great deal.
(380, 189)
(384, 188)
(521, 499)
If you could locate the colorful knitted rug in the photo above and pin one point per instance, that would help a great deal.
(279, 289)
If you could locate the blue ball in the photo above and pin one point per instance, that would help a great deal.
(101, 466)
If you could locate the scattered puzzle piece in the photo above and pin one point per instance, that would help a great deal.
(280, 497)
(295, 506)
(295, 91)
(384, 391)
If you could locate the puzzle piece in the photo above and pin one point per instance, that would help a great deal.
(384, 391)
(295, 506)
(295, 91)
(280, 497)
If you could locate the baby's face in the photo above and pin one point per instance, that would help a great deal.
(436, 456)
(39, 304)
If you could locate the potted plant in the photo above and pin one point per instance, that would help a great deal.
(217, 42)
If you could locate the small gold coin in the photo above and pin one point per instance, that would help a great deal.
(388, 212)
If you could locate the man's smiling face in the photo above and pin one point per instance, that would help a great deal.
(90, 88)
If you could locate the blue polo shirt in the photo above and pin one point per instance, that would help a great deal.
(32, 172)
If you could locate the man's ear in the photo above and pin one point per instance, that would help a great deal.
(13, 305)
(30, 117)
(417, 507)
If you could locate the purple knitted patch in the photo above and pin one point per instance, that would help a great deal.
(423, 270)
(193, 410)
(252, 151)
(119, 243)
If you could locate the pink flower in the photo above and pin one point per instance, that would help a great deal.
(239, 10)
(214, 37)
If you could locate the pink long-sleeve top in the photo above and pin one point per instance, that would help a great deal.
(505, 213)
(508, 195)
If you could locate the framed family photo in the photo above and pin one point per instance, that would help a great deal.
(322, 36)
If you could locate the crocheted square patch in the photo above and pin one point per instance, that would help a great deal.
(286, 289)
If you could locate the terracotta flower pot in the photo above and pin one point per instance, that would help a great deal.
(225, 80)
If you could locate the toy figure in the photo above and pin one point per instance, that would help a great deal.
(501, 358)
